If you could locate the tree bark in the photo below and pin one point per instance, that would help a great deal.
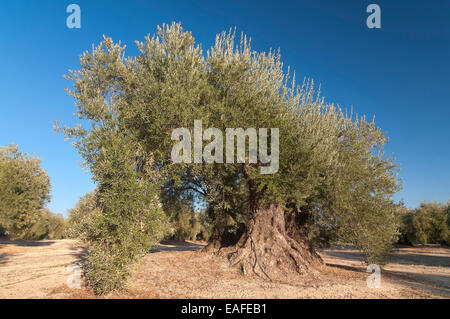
(275, 243)
(267, 249)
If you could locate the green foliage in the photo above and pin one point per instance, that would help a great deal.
(106, 269)
(80, 222)
(24, 191)
(205, 226)
(190, 225)
(113, 247)
(321, 234)
(130, 219)
(48, 226)
(56, 227)
(185, 223)
(428, 224)
(373, 229)
(332, 165)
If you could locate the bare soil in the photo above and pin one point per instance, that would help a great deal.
(30, 269)
(37, 269)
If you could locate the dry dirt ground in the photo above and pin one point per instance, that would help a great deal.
(178, 270)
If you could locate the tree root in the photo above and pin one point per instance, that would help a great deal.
(269, 251)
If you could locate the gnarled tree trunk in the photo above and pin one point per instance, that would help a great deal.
(267, 249)
(275, 243)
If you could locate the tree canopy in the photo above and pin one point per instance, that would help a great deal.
(427, 224)
(24, 191)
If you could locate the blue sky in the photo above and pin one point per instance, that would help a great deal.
(399, 73)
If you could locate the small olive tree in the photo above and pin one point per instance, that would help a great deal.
(427, 224)
(24, 191)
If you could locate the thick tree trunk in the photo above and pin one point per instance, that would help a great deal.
(267, 249)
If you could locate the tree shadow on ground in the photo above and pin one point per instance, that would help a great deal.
(437, 281)
(402, 256)
(408, 256)
(27, 243)
(79, 252)
(4, 258)
(435, 284)
(176, 245)
(423, 257)
(353, 255)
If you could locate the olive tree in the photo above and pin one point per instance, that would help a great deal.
(331, 172)
(429, 223)
(24, 191)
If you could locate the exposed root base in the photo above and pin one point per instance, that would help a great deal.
(266, 249)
